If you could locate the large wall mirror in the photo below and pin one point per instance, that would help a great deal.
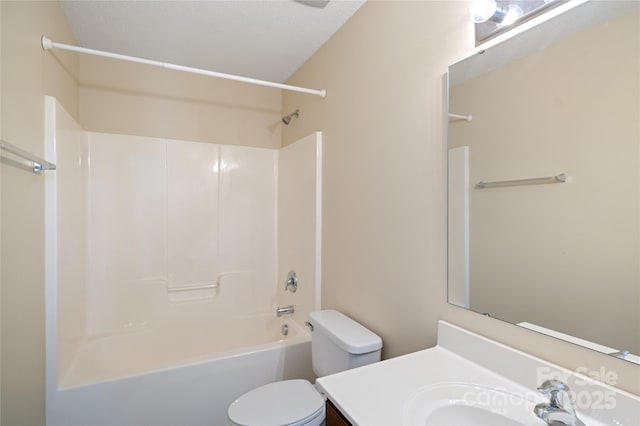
(544, 181)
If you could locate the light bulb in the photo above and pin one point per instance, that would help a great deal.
(513, 14)
(482, 10)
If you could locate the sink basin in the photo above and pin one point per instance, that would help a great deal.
(448, 404)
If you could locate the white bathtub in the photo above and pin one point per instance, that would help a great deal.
(126, 343)
(183, 377)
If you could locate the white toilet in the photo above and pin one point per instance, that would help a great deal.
(338, 343)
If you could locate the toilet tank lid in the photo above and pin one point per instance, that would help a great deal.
(349, 335)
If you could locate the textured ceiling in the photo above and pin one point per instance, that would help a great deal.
(267, 39)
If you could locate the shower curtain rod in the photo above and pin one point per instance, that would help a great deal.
(49, 44)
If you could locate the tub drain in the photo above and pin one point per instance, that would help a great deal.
(284, 329)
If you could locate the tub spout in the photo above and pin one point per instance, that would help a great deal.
(285, 310)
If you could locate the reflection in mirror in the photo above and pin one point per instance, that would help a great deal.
(493, 17)
(559, 255)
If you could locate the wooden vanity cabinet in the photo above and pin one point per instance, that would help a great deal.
(334, 417)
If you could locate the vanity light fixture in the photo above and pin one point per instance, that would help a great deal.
(493, 17)
(485, 10)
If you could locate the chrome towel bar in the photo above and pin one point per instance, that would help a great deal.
(561, 178)
(38, 163)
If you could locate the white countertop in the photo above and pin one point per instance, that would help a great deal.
(381, 393)
(378, 394)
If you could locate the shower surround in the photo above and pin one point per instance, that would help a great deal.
(164, 260)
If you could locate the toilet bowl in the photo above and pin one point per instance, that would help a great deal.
(338, 343)
(290, 402)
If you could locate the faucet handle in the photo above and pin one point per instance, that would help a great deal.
(620, 354)
(549, 386)
(552, 388)
(292, 282)
(557, 411)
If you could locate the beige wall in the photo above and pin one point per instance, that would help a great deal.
(134, 99)
(28, 73)
(384, 238)
(0, 220)
(383, 171)
(577, 241)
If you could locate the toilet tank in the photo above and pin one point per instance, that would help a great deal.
(339, 343)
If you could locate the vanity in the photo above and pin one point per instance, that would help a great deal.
(468, 379)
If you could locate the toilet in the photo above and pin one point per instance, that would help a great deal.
(338, 343)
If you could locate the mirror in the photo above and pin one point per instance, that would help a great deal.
(544, 180)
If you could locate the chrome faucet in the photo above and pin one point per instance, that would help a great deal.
(620, 354)
(284, 310)
(558, 411)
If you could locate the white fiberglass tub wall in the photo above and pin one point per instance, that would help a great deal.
(167, 246)
(162, 277)
(299, 219)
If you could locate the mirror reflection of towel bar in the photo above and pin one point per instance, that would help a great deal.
(560, 178)
(460, 117)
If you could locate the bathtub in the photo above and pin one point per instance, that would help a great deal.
(176, 376)
(157, 325)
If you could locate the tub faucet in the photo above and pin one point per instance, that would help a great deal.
(284, 310)
(558, 411)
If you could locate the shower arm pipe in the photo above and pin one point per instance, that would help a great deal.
(49, 44)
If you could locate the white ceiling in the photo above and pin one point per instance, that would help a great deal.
(268, 39)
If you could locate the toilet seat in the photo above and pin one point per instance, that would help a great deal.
(285, 403)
